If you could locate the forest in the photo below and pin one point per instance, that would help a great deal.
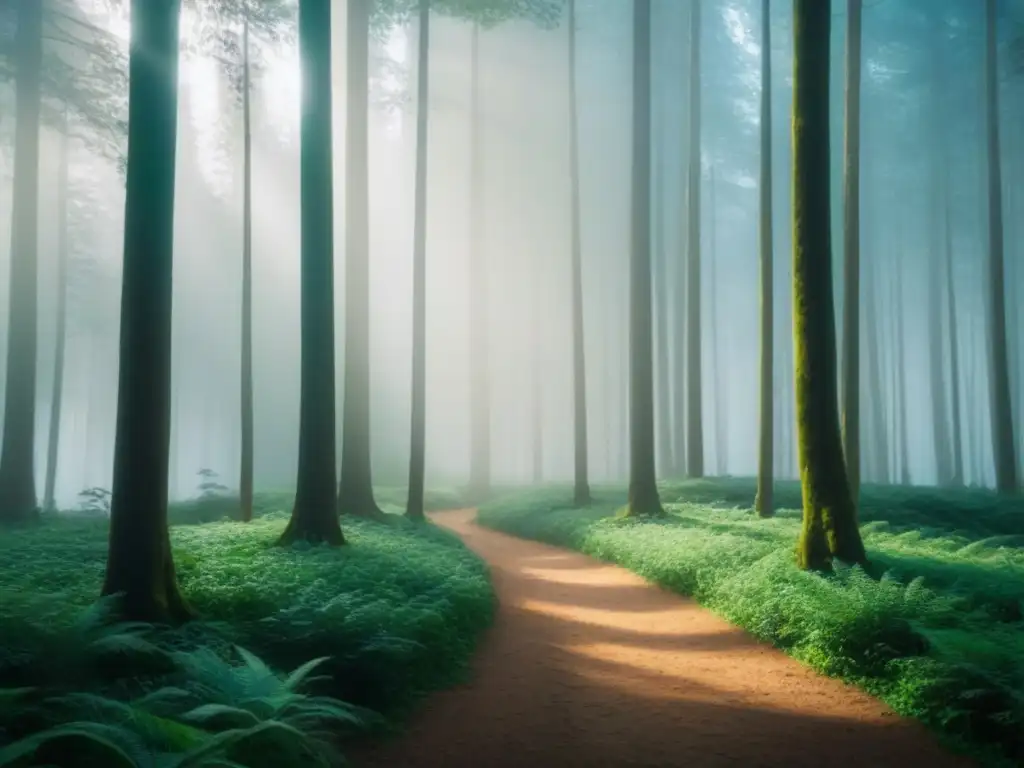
(511, 382)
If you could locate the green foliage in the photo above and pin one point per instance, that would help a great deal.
(214, 713)
(377, 623)
(219, 507)
(937, 633)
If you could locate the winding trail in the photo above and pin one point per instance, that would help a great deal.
(588, 665)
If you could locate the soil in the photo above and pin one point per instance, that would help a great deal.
(588, 665)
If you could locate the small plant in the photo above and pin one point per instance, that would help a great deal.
(94, 501)
(221, 714)
(210, 487)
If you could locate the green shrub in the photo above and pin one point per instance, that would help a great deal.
(395, 613)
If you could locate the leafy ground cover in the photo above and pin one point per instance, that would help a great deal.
(936, 630)
(364, 631)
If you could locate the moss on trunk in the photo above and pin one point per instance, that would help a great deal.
(829, 520)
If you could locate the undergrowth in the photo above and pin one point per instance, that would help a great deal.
(936, 630)
(390, 616)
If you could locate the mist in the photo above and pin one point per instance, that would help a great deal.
(523, 203)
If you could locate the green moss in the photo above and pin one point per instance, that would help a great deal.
(939, 636)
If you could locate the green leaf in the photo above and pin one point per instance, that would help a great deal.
(97, 734)
(299, 675)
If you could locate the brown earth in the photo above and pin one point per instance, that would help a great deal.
(588, 665)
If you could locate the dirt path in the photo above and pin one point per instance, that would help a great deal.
(589, 666)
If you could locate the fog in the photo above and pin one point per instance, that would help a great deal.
(524, 204)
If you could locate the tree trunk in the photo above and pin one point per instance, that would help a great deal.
(829, 515)
(53, 444)
(957, 478)
(659, 273)
(900, 367)
(581, 484)
(355, 492)
(245, 480)
(140, 566)
(314, 515)
(694, 418)
(17, 452)
(536, 383)
(643, 488)
(720, 413)
(418, 442)
(876, 397)
(764, 501)
(1000, 411)
(937, 299)
(479, 364)
(851, 252)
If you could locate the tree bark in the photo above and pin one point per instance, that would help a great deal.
(355, 492)
(900, 366)
(418, 448)
(720, 412)
(245, 480)
(957, 478)
(659, 274)
(57, 399)
(764, 501)
(851, 252)
(876, 397)
(17, 451)
(1000, 410)
(643, 488)
(581, 483)
(140, 567)
(829, 516)
(694, 400)
(314, 517)
(479, 364)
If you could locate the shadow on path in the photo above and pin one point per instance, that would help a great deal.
(587, 665)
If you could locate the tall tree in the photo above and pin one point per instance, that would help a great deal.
(418, 447)
(765, 500)
(829, 516)
(1000, 410)
(355, 493)
(957, 477)
(876, 399)
(900, 370)
(17, 452)
(662, 305)
(643, 488)
(314, 515)
(140, 566)
(57, 398)
(936, 293)
(245, 480)
(479, 363)
(720, 413)
(581, 485)
(851, 251)
(694, 400)
(536, 378)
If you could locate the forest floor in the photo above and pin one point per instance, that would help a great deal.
(589, 665)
